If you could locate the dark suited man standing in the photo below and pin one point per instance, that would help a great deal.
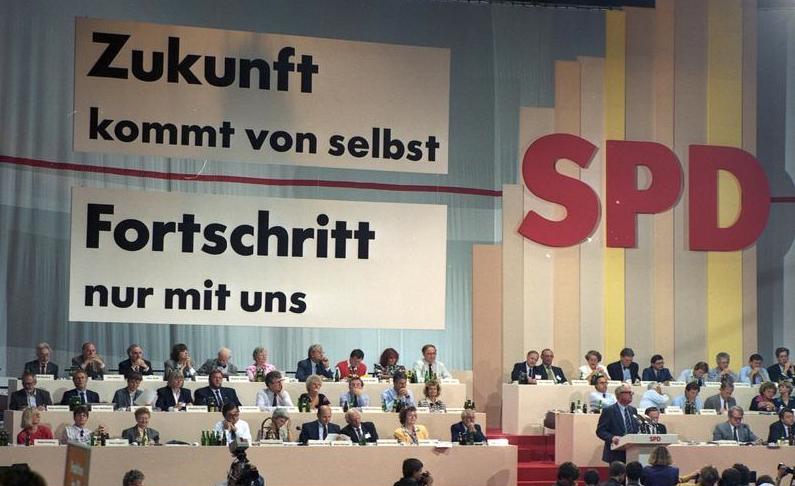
(616, 421)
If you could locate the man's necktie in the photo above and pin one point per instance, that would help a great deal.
(627, 421)
(274, 400)
(43, 369)
(550, 375)
(359, 434)
(218, 400)
(83, 397)
(604, 395)
(734, 429)
(355, 401)
(325, 432)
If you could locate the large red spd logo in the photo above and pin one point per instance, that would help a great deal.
(624, 201)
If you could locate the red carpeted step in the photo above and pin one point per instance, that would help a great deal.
(538, 471)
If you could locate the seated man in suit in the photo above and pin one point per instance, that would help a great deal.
(357, 430)
(653, 414)
(221, 363)
(549, 372)
(616, 421)
(141, 434)
(783, 429)
(734, 428)
(215, 393)
(467, 426)
(783, 369)
(125, 398)
(29, 395)
(625, 369)
(319, 429)
(657, 371)
(724, 400)
(316, 363)
(526, 371)
(173, 397)
(135, 362)
(231, 426)
(42, 364)
(274, 395)
(80, 380)
(90, 362)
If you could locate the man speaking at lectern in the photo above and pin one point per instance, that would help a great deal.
(617, 420)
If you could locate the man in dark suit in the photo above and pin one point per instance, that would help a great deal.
(42, 364)
(357, 430)
(125, 398)
(316, 363)
(653, 414)
(783, 429)
(166, 400)
(135, 362)
(320, 428)
(215, 393)
(783, 369)
(625, 369)
(141, 434)
(616, 421)
(527, 368)
(657, 371)
(29, 395)
(467, 426)
(734, 428)
(549, 372)
(80, 380)
(724, 400)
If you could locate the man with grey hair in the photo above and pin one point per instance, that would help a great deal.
(42, 364)
(133, 477)
(467, 427)
(316, 363)
(616, 421)
(357, 430)
(734, 428)
(221, 363)
(135, 362)
(721, 371)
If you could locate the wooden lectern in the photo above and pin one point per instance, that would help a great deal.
(638, 446)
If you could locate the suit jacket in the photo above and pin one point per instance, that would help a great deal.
(122, 397)
(713, 402)
(304, 370)
(611, 424)
(459, 428)
(35, 368)
(723, 431)
(165, 399)
(661, 429)
(660, 476)
(367, 428)
(19, 400)
(540, 370)
(616, 371)
(131, 435)
(777, 432)
(92, 396)
(521, 367)
(212, 364)
(776, 375)
(205, 394)
(660, 376)
(310, 431)
(126, 367)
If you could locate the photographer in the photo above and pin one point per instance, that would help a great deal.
(413, 475)
(242, 472)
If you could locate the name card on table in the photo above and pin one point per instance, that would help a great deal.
(427, 442)
(708, 411)
(455, 409)
(387, 442)
(113, 378)
(196, 409)
(341, 443)
(271, 443)
(443, 444)
(102, 407)
(45, 377)
(738, 384)
(57, 408)
(579, 382)
(153, 378)
(423, 410)
(117, 443)
(498, 442)
(615, 383)
(753, 412)
(290, 380)
(46, 442)
(673, 410)
(201, 379)
(291, 409)
(336, 409)
(317, 443)
(372, 410)
(248, 408)
(545, 382)
(369, 379)
(450, 381)
(677, 383)
(710, 384)
(239, 379)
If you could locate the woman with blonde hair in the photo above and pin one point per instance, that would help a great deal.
(313, 395)
(660, 472)
(31, 429)
(410, 432)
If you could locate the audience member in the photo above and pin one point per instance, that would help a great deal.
(313, 395)
(399, 392)
(260, 366)
(734, 428)
(214, 393)
(783, 428)
(657, 371)
(357, 430)
(616, 421)
(181, 361)
(698, 374)
(80, 380)
(467, 426)
(319, 429)
(355, 396)
(731, 477)
(133, 477)
(231, 426)
(90, 362)
(625, 369)
(527, 371)
(591, 477)
(721, 372)
(220, 363)
(429, 365)
(690, 401)
(410, 432)
(754, 373)
(634, 470)
(780, 371)
(568, 473)
(653, 415)
(616, 474)
(78, 432)
(141, 433)
(173, 397)
(764, 401)
(280, 428)
(32, 429)
(431, 391)
(724, 400)
(413, 474)
(388, 364)
(353, 366)
(654, 397)
(42, 364)
(745, 473)
(29, 395)
(20, 475)
(124, 398)
(274, 395)
(549, 372)
(765, 480)
(785, 399)
(135, 362)
(316, 363)
(592, 366)
(599, 398)
(659, 472)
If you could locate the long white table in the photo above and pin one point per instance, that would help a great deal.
(453, 395)
(187, 427)
(525, 406)
(280, 466)
(576, 440)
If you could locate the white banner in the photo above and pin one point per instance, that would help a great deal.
(225, 260)
(189, 92)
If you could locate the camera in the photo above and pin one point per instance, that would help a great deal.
(787, 469)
